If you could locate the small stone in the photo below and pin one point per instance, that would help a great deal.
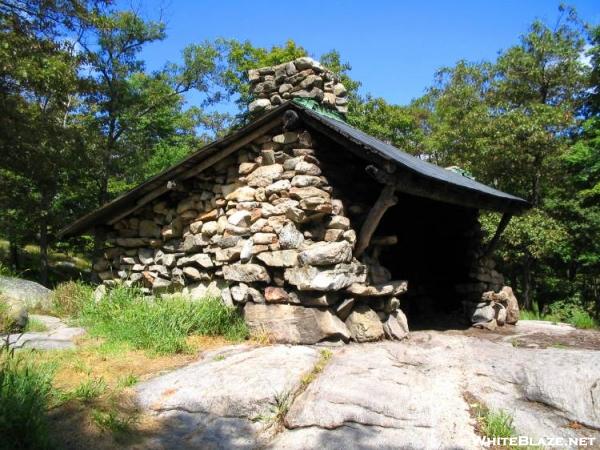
(264, 238)
(333, 235)
(286, 138)
(290, 164)
(396, 326)
(279, 258)
(146, 255)
(290, 237)
(196, 227)
(264, 175)
(344, 308)
(209, 215)
(259, 104)
(310, 278)
(277, 187)
(307, 168)
(391, 288)
(185, 204)
(192, 273)
(339, 90)
(338, 222)
(296, 215)
(246, 251)
(242, 194)
(306, 180)
(240, 218)
(209, 228)
(161, 285)
(364, 324)
(326, 253)
(199, 259)
(275, 295)
(148, 228)
(247, 273)
(247, 167)
(193, 243)
(268, 157)
(239, 293)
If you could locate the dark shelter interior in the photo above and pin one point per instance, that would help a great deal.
(436, 241)
(434, 253)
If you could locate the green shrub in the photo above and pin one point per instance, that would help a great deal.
(68, 299)
(159, 325)
(25, 391)
(569, 311)
(497, 424)
(582, 319)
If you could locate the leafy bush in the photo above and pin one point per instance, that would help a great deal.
(25, 391)
(68, 299)
(160, 325)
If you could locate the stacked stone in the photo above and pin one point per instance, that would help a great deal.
(483, 279)
(302, 78)
(496, 309)
(264, 231)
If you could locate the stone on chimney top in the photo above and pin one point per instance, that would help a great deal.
(301, 78)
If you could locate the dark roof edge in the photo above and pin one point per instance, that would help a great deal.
(124, 200)
(375, 150)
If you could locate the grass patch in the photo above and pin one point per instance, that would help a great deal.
(159, 325)
(25, 393)
(577, 317)
(324, 357)
(69, 299)
(112, 421)
(35, 326)
(582, 319)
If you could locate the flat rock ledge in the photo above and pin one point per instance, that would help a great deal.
(377, 395)
(59, 336)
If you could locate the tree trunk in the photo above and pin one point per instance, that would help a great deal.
(43, 276)
(14, 254)
(45, 208)
(527, 301)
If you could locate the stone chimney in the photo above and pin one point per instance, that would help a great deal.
(302, 78)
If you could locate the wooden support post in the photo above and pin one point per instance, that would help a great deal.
(496, 238)
(386, 200)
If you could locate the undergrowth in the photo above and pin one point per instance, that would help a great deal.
(25, 393)
(159, 325)
(572, 314)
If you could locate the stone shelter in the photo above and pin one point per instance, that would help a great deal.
(314, 229)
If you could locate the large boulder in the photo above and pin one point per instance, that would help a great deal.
(13, 315)
(295, 324)
(27, 293)
(310, 278)
(364, 324)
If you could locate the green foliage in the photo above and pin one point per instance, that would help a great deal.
(25, 391)
(87, 391)
(160, 325)
(240, 57)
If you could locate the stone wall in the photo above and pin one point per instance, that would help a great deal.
(266, 232)
(301, 78)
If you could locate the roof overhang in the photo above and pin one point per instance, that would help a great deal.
(412, 175)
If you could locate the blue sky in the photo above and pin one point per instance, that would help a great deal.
(394, 47)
